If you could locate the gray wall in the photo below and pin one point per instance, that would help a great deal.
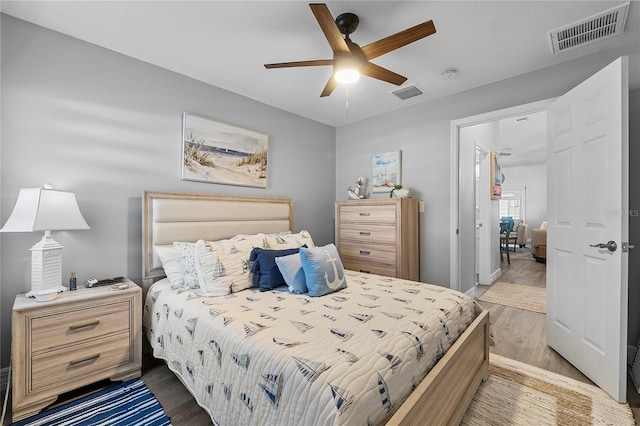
(108, 127)
(422, 132)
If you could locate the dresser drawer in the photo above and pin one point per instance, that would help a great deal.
(364, 213)
(71, 363)
(67, 327)
(370, 268)
(373, 253)
(368, 233)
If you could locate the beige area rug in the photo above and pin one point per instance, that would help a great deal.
(520, 394)
(517, 296)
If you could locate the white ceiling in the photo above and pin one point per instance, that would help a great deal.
(226, 43)
(524, 138)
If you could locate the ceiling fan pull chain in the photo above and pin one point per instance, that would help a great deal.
(347, 102)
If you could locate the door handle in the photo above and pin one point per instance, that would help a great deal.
(611, 245)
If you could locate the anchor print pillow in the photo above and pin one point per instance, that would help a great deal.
(323, 270)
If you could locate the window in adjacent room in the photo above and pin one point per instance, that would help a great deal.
(513, 203)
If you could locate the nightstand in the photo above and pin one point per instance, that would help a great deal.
(79, 338)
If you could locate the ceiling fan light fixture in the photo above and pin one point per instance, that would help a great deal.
(347, 76)
(347, 70)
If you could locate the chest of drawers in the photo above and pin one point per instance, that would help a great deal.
(379, 236)
(79, 338)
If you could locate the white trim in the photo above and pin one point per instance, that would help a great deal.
(456, 125)
(495, 275)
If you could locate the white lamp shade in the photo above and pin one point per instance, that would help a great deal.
(39, 209)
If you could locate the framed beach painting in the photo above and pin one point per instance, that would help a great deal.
(216, 152)
(386, 171)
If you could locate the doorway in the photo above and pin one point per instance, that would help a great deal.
(463, 205)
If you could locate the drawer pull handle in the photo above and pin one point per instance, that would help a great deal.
(365, 214)
(365, 233)
(81, 326)
(77, 362)
(366, 272)
(365, 252)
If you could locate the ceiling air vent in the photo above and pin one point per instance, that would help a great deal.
(408, 92)
(594, 28)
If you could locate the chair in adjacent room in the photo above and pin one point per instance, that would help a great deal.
(507, 236)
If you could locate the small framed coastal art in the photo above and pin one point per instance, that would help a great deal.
(216, 152)
(496, 176)
(386, 170)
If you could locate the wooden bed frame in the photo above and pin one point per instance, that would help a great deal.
(441, 398)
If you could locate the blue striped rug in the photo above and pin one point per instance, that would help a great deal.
(125, 404)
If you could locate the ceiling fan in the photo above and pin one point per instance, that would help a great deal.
(349, 59)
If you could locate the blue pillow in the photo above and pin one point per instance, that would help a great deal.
(266, 274)
(323, 270)
(291, 269)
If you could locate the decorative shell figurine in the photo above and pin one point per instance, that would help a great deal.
(399, 192)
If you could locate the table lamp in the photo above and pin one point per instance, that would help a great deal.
(45, 209)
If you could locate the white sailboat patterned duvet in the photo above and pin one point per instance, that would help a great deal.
(275, 358)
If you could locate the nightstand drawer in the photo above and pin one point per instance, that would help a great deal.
(65, 365)
(373, 253)
(67, 327)
(365, 213)
(367, 233)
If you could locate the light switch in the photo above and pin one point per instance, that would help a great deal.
(421, 206)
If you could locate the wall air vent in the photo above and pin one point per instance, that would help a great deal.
(408, 92)
(594, 28)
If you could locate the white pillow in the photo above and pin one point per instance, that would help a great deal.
(287, 240)
(210, 271)
(234, 257)
(172, 264)
(188, 256)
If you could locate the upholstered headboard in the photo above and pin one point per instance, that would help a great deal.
(169, 217)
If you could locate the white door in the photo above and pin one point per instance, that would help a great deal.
(588, 204)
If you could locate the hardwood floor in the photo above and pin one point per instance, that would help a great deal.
(176, 401)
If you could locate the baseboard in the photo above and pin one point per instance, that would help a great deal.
(495, 275)
(471, 292)
(4, 378)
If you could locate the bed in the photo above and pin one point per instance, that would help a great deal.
(380, 351)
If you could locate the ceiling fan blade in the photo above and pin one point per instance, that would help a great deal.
(331, 85)
(376, 71)
(329, 27)
(316, 63)
(397, 40)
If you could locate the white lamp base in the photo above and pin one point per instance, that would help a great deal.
(46, 264)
